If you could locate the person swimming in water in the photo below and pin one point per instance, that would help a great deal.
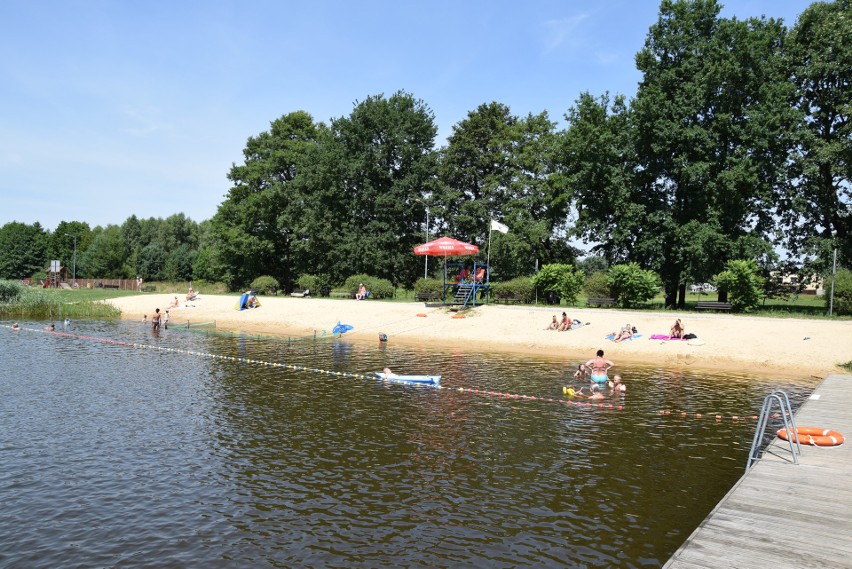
(600, 368)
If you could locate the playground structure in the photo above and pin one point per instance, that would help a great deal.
(57, 277)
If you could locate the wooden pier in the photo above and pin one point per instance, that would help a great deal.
(781, 515)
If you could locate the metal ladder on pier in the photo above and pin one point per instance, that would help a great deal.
(786, 413)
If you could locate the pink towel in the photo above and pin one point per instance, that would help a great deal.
(662, 337)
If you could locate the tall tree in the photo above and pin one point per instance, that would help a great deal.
(366, 191)
(499, 166)
(254, 226)
(711, 113)
(817, 209)
(22, 250)
(597, 162)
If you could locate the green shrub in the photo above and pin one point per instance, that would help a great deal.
(265, 285)
(597, 286)
(378, 288)
(314, 283)
(10, 291)
(522, 286)
(564, 280)
(433, 286)
(630, 284)
(842, 292)
(743, 283)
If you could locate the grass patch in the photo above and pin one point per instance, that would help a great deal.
(41, 304)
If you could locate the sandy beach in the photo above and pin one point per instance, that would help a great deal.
(788, 347)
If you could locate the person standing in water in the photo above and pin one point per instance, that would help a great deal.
(599, 369)
(155, 320)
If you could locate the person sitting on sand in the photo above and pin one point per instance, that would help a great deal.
(554, 325)
(623, 334)
(565, 324)
(677, 330)
(191, 295)
(175, 303)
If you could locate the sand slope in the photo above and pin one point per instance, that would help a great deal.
(742, 344)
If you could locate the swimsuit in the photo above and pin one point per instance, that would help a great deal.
(599, 379)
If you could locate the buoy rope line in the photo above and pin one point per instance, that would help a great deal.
(292, 367)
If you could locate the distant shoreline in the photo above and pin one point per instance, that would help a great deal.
(742, 345)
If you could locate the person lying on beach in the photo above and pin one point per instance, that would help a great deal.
(677, 330)
(623, 334)
(554, 325)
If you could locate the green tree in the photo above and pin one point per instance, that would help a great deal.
(711, 115)
(842, 303)
(22, 250)
(630, 284)
(254, 228)
(366, 187)
(564, 280)
(105, 256)
(500, 166)
(817, 207)
(742, 282)
(597, 161)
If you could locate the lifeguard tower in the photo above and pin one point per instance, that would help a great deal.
(462, 288)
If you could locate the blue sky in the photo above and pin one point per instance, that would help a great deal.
(113, 108)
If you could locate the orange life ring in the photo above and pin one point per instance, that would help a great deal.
(421, 315)
(814, 436)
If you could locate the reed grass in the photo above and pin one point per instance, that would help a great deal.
(24, 303)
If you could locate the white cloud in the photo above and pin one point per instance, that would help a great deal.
(562, 31)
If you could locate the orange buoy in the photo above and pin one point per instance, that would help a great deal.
(813, 436)
(421, 315)
(458, 315)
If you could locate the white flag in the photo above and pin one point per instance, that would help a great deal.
(496, 225)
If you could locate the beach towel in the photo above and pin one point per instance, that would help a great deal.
(663, 337)
(633, 337)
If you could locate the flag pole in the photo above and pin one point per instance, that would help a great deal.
(488, 257)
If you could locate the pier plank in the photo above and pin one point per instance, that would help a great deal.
(781, 515)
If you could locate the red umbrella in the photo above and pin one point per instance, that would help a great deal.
(446, 247)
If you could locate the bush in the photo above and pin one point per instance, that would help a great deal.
(630, 284)
(433, 286)
(597, 286)
(314, 283)
(743, 283)
(378, 288)
(562, 279)
(265, 285)
(11, 291)
(522, 286)
(842, 292)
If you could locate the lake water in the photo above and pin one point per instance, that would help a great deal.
(121, 456)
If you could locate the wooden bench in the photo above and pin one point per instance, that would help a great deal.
(601, 302)
(342, 294)
(713, 305)
(149, 288)
(507, 298)
(427, 296)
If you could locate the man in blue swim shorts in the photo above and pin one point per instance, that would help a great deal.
(599, 368)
